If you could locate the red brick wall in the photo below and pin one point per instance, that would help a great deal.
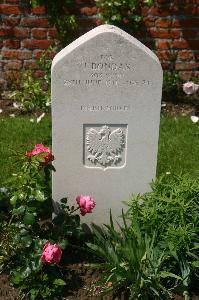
(170, 28)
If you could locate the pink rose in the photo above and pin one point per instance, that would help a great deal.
(51, 254)
(86, 204)
(190, 87)
(39, 148)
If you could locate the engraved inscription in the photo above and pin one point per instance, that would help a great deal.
(105, 71)
(96, 108)
(105, 146)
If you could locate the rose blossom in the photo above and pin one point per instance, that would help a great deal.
(39, 148)
(86, 204)
(51, 254)
(190, 87)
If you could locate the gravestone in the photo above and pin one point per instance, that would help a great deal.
(106, 96)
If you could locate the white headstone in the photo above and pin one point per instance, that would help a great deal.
(106, 95)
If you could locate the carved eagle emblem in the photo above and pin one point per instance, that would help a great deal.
(105, 146)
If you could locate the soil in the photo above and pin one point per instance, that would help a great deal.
(84, 282)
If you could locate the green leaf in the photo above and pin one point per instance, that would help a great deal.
(195, 264)
(63, 244)
(29, 219)
(59, 282)
(39, 196)
(165, 274)
(13, 200)
(19, 211)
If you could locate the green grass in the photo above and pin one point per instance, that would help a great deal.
(178, 146)
(19, 134)
(178, 143)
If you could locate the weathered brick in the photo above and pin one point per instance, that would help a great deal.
(8, 9)
(35, 22)
(39, 10)
(187, 23)
(13, 65)
(149, 22)
(157, 11)
(185, 76)
(186, 44)
(163, 23)
(39, 33)
(30, 64)
(185, 55)
(180, 44)
(3, 84)
(89, 11)
(38, 73)
(167, 55)
(13, 44)
(5, 31)
(11, 75)
(20, 32)
(16, 54)
(191, 10)
(164, 33)
(37, 44)
(11, 21)
(186, 66)
(163, 45)
(52, 32)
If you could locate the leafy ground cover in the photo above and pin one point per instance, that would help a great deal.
(178, 143)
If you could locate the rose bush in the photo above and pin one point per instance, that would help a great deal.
(31, 240)
(41, 149)
(86, 204)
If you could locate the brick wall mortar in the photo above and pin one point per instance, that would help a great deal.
(170, 30)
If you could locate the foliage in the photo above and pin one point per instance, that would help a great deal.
(172, 209)
(34, 93)
(29, 94)
(60, 17)
(156, 254)
(171, 83)
(132, 261)
(121, 12)
(28, 226)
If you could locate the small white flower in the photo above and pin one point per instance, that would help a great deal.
(168, 173)
(32, 120)
(48, 104)
(40, 117)
(3, 190)
(163, 104)
(194, 119)
(12, 115)
(1, 110)
(16, 105)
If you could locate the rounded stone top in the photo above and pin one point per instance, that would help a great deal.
(103, 30)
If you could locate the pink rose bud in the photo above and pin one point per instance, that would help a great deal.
(190, 88)
(86, 204)
(51, 254)
(39, 148)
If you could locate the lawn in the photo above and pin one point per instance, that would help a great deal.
(178, 143)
